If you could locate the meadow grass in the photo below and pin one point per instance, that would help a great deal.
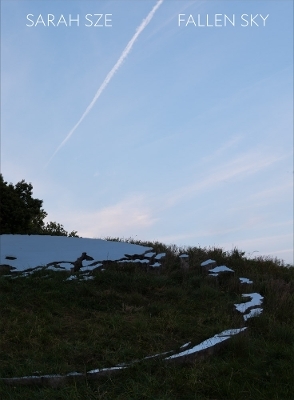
(52, 326)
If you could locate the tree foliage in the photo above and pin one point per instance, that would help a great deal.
(20, 213)
(55, 229)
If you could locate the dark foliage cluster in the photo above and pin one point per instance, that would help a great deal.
(20, 213)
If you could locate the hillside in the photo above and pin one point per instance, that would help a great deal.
(142, 320)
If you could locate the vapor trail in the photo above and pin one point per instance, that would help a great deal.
(110, 74)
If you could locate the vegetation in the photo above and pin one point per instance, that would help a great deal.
(52, 325)
(20, 213)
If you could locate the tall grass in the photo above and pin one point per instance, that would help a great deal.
(52, 326)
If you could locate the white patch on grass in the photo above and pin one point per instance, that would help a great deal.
(149, 255)
(184, 256)
(245, 280)
(35, 250)
(255, 312)
(220, 337)
(221, 268)
(207, 262)
(155, 265)
(160, 256)
(256, 300)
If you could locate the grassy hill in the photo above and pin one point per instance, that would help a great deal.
(50, 325)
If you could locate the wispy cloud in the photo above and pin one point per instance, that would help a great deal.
(224, 148)
(273, 194)
(197, 235)
(237, 168)
(110, 74)
(264, 199)
(125, 218)
(280, 245)
(208, 231)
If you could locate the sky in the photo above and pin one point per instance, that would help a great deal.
(170, 121)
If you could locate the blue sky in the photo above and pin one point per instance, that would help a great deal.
(191, 141)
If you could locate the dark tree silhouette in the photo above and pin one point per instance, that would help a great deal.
(20, 213)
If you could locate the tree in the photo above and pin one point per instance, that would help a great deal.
(55, 229)
(20, 213)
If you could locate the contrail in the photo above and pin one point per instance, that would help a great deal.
(110, 74)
